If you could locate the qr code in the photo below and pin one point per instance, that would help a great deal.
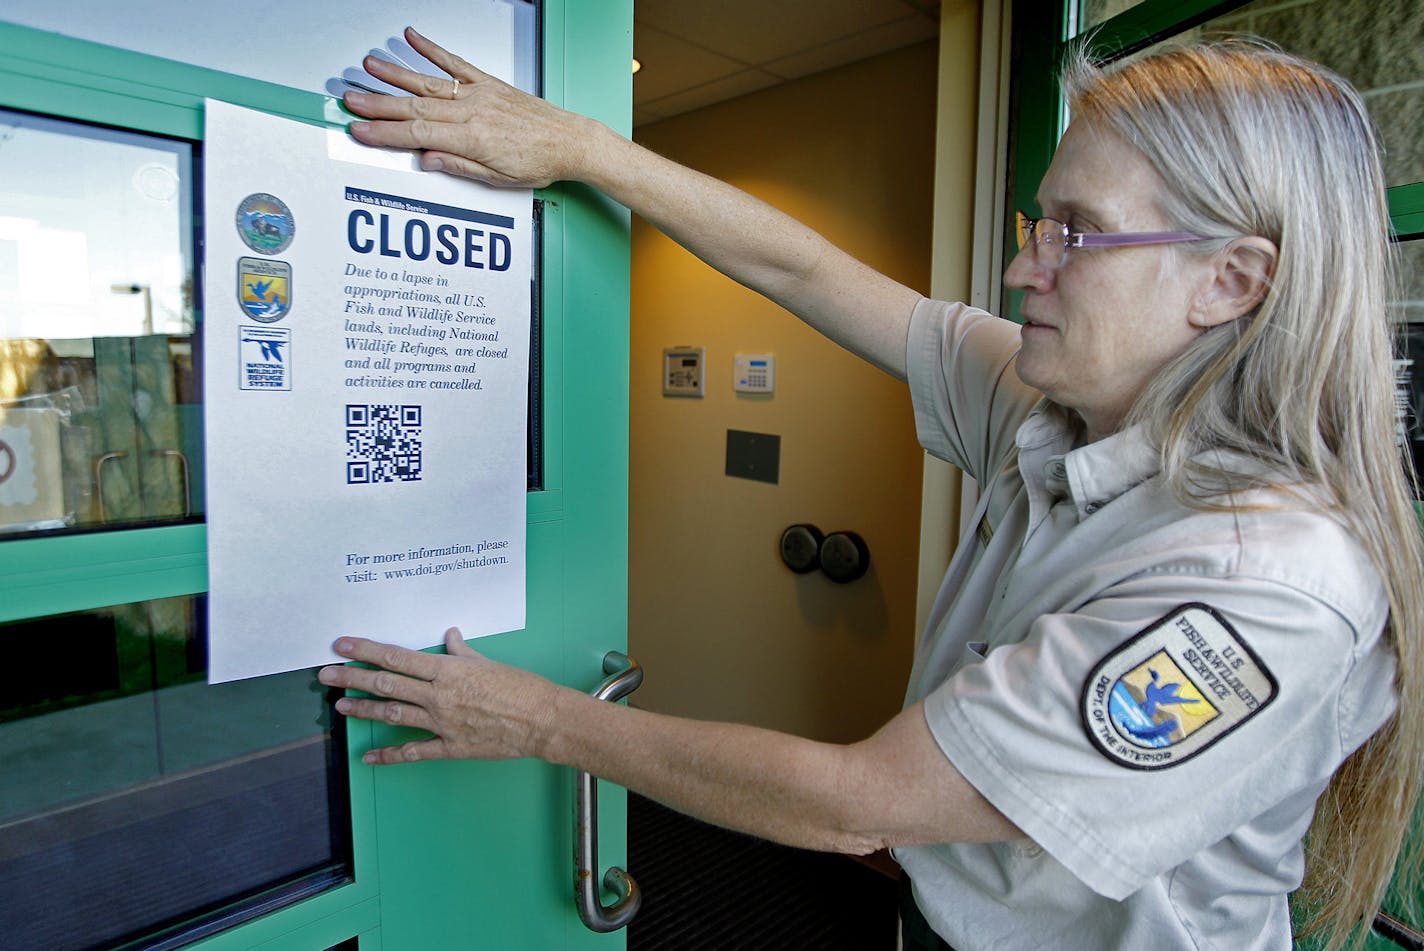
(382, 443)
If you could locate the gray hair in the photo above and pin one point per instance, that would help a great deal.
(1252, 141)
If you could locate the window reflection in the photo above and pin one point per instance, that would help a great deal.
(100, 422)
(1408, 312)
(135, 798)
(1375, 44)
(1093, 12)
(1409, 304)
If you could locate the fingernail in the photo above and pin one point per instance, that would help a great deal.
(369, 759)
(432, 164)
(343, 705)
(360, 126)
(342, 646)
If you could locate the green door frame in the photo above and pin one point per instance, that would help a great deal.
(578, 521)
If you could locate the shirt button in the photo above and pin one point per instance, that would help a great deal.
(1055, 469)
(1092, 507)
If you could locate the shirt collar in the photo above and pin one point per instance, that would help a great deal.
(1099, 472)
(1092, 475)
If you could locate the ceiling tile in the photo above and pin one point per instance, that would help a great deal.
(882, 39)
(671, 64)
(754, 31)
(696, 53)
(741, 84)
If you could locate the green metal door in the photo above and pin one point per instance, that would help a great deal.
(435, 855)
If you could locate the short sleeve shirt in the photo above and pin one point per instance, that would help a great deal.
(1155, 694)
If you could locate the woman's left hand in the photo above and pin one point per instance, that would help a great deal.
(472, 124)
(476, 708)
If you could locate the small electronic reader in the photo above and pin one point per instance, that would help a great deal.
(755, 373)
(682, 371)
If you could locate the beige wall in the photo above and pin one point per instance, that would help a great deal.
(724, 630)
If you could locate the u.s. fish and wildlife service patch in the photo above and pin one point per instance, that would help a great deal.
(1178, 686)
(264, 288)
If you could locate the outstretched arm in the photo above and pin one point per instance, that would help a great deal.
(896, 788)
(484, 129)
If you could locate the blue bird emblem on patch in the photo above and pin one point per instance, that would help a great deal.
(1140, 704)
(264, 288)
(1180, 685)
(1160, 694)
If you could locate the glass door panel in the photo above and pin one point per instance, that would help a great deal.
(1375, 45)
(1091, 13)
(115, 750)
(100, 417)
(1409, 369)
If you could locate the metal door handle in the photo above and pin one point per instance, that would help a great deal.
(624, 677)
(187, 483)
(99, 480)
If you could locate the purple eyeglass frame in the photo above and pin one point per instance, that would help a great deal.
(1025, 227)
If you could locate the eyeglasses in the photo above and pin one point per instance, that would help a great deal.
(1051, 239)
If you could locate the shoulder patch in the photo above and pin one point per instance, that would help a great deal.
(1179, 685)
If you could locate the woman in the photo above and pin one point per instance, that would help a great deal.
(1194, 591)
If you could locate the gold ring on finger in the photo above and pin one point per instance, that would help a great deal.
(455, 89)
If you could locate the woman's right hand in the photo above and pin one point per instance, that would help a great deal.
(478, 127)
(487, 130)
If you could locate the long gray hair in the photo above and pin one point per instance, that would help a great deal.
(1253, 141)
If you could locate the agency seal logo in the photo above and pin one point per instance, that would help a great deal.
(264, 288)
(265, 223)
(1184, 682)
(264, 358)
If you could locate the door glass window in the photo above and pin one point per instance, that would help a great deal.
(1409, 308)
(100, 415)
(135, 799)
(1375, 44)
(1409, 313)
(1093, 12)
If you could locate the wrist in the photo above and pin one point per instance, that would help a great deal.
(604, 158)
(551, 710)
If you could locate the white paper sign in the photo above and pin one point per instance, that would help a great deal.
(31, 483)
(304, 45)
(366, 353)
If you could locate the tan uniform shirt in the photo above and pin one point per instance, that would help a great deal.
(1155, 694)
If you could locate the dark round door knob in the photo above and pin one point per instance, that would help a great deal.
(801, 548)
(844, 557)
